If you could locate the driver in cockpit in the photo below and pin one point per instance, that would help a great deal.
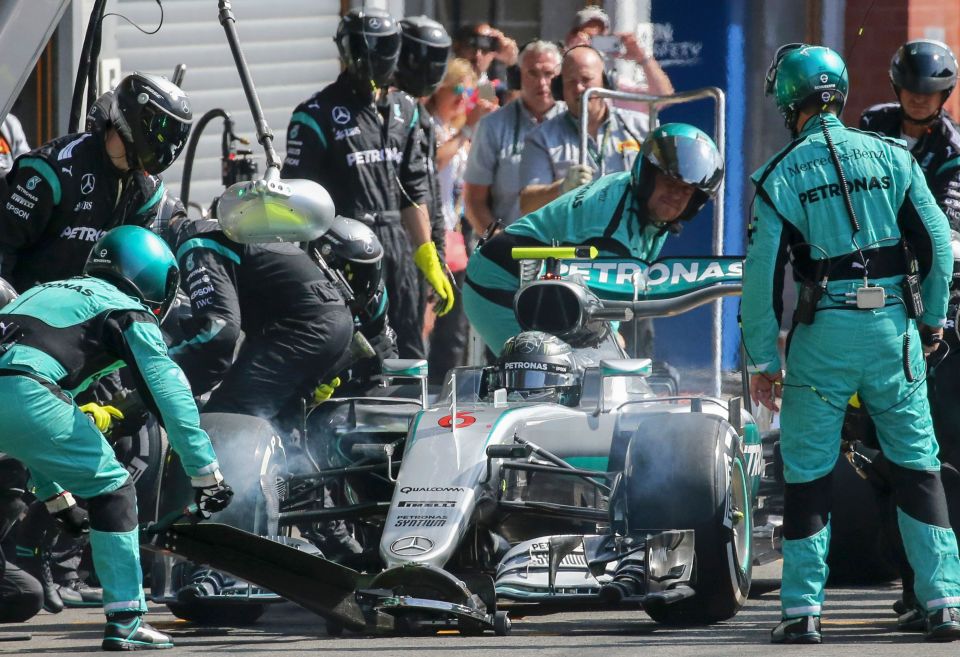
(538, 367)
(626, 214)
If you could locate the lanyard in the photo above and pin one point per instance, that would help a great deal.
(595, 155)
(516, 130)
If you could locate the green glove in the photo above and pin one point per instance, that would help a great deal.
(427, 260)
(324, 391)
(102, 416)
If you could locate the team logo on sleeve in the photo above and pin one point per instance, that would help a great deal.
(33, 182)
(294, 131)
(340, 115)
(87, 183)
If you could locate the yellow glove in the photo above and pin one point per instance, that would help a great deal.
(427, 260)
(102, 416)
(324, 391)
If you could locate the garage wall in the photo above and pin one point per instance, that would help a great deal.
(288, 45)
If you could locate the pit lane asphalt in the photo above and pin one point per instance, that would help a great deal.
(857, 621)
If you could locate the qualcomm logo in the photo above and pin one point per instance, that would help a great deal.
(411, 546)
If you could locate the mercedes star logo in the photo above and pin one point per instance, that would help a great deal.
(341, 115)
(374, 23)
(87, 183)
(824, 78)
(411, 546)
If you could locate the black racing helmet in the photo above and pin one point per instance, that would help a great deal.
(353, 248)
(153, 118)
(424, 50)
(684, 153)
(537, 366)
(369, 45)
(924, 66)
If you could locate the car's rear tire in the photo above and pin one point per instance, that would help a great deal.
(687, 471)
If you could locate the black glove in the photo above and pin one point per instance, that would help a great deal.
(71, 518)
(212, 499)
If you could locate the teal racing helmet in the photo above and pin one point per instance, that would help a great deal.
(684, 153)
(139, 263)
(801, 73)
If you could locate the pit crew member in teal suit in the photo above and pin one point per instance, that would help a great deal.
(58, 338)
(626, 214)
(844, 203)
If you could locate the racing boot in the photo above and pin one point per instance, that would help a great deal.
(943, 625)
(128, 631)
(77, 593)
(805, 629)
(36, 562)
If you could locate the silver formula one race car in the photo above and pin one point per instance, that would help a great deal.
(560, 475)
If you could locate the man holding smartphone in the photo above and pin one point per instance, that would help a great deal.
(489, 51)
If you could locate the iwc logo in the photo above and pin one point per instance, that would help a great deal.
(411, 546)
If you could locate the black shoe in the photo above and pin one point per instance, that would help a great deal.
(76, 593)
(805, 629)
(38, 566)
(912, 620)
(133, 634)
(943, 625)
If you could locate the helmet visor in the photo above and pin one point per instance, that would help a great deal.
(524, 379)
(689, 160)
(375, 55)
(163, 137)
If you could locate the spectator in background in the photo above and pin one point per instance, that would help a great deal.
(550, 164)
(449, 107)
(648, 78)
(489, 51)
(492, 180)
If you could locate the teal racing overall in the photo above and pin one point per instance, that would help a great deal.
(877, 353)
(71, 332)
(605, 214)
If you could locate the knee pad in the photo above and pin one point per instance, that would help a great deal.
(806, 507)
(919, 494)
(115, 511)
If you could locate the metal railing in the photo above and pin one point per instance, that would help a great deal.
(654, 103)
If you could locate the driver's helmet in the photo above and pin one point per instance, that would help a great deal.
(423, 56)
(139, 263)
(800, 74)
(152, 116)
(684, 153)
(537, 366)
(369, 45)
(352, 247)
(924, 66)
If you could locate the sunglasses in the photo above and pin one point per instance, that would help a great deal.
(461, 90)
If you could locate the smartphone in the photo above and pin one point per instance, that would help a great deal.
(608, 44)
(486, 91)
